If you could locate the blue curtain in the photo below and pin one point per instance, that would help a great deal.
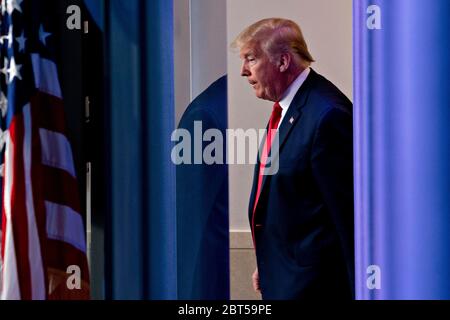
(141, 230)
(402, 148)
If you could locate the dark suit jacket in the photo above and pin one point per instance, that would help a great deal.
(304, 217)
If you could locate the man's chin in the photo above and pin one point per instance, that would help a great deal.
(262, 96)
(259, 95)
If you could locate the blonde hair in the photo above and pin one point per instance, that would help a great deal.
(275, 36)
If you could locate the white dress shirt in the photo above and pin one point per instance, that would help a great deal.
(290, 92)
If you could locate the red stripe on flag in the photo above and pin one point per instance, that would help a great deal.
(61, 255)
(51, 112)
(61, 188)
(18, 209)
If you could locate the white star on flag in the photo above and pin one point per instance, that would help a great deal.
(4, 70)
(2, 139)
(14, 70)
(13, 5)
(9, 37)
(43, 35)
(21, 40)
(3, 103)
(3, 7)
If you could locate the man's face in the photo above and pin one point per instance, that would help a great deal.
(261, 73)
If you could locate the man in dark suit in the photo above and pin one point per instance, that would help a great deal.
(302, 216)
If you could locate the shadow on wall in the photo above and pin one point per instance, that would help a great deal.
(202, 207)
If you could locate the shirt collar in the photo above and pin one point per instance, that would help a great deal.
(291, 91)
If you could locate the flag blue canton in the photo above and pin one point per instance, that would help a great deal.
(23, 31)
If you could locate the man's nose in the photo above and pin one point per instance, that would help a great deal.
(244, 70)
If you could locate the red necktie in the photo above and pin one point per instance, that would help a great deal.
(271, 131)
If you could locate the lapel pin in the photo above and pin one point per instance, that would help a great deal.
(291, 120)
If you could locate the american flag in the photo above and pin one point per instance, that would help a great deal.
(43, 248)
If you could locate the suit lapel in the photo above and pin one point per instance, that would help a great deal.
(294, 112)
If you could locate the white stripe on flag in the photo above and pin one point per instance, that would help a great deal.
(66, 225)
(10, 289)
(56, 151)
(46, 75)
(34, 247)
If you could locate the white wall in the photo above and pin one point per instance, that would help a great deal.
(200, 42)
(327, 28)
(182, 56)
(209, 43)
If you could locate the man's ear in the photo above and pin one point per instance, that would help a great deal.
(284, 62)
